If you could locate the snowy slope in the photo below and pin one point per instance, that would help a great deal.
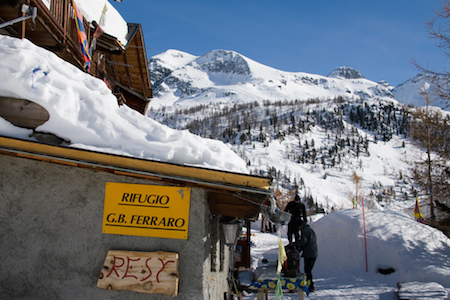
(331, 187)
(85, 112)
(227, 76)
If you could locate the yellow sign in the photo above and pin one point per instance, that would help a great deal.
(146, 210)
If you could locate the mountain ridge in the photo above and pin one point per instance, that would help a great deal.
(308, 132)
(232, 77)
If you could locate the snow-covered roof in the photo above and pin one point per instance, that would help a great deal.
(112, 22)
(83, 110)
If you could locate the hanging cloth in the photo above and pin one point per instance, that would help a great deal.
(82, 38)
(281, 259)
(417, 213)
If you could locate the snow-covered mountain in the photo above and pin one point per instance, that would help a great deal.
(409, 92)
(302, 129)
(229, 77)
(163, 64)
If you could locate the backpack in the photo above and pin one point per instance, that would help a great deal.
(291, 266)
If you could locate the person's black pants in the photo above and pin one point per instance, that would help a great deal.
(309, 264)
(292, 230)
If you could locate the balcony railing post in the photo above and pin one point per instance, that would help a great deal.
(65, 10)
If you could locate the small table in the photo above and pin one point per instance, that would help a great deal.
(290, 283)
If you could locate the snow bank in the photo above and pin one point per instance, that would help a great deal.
(417, 252)
(83, 110)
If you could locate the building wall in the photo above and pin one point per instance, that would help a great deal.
(52, 245)
(217, 265)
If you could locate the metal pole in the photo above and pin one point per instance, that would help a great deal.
(365, 239)
(33, 13)
(14, 21)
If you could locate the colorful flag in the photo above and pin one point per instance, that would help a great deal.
(82, 36)
(417, 213)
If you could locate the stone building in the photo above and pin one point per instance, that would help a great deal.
(53, 205)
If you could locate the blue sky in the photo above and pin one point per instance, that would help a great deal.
(379, 37)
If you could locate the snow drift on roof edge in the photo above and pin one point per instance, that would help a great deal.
(83, 110)
(112, 22)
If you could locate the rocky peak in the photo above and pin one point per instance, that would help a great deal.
(224, 61)
(346, 73)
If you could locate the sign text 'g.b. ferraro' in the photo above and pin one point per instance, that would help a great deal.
(146, 210)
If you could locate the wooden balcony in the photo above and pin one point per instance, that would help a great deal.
(54, 29)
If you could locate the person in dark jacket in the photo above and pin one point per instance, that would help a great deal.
(308, 245)
(298, 214)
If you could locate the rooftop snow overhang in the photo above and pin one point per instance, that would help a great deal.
(231, 194)
(107, 42)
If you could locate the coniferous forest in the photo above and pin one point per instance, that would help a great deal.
(347, 128)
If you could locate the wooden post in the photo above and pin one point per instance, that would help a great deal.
(263, 294)
(260, 294)
(300, 294)
(22, 35)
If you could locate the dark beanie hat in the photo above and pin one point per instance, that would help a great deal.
(297, 197)
(300, 223)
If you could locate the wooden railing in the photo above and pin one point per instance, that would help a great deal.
(61, 18)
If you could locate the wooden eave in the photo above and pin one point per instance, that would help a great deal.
(231, 194)
(241, 206)
(130, 76)
(130, 91)
(131, 67)
(108, 43)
